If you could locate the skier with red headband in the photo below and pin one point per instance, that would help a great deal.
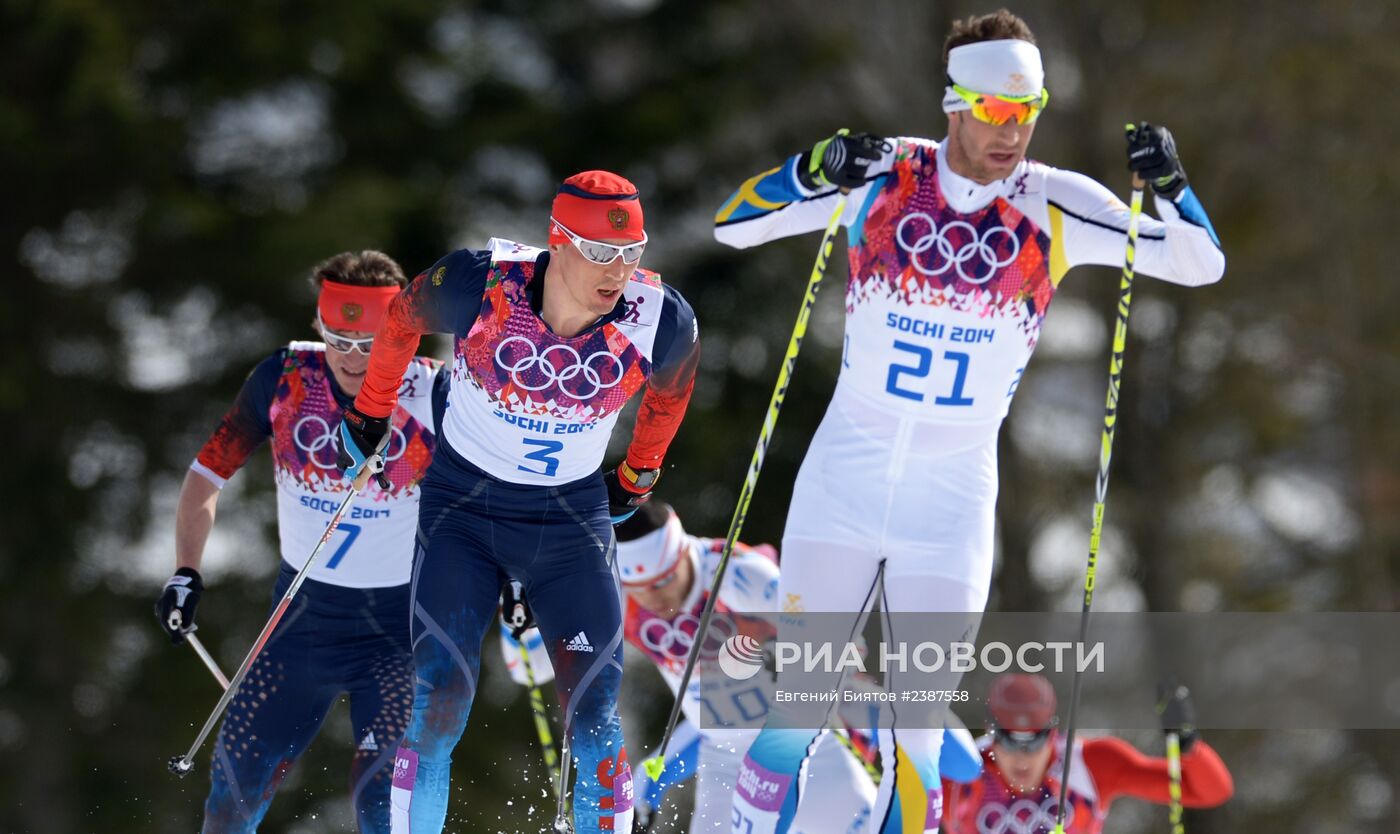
(347, 629)
(549, 344)
(1019, 788)
(956, 249)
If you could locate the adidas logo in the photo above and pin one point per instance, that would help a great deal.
(579, 644)
(369, 744)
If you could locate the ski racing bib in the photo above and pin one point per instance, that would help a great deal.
(531, 407)
(943, 309)
(373, 545)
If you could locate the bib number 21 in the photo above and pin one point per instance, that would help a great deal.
(921, 364)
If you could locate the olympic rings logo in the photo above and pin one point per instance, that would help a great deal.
(321, 436)
(1024, 816)
(951, 254)
(673, 638)
(575, 366)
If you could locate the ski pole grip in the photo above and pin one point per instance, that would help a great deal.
(373, 468)
(362, 479)
(1138, 182)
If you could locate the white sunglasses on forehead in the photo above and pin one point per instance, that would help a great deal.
(603, 253)
(339, 343)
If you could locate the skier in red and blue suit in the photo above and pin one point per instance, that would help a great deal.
(347, 630)
(549, 346)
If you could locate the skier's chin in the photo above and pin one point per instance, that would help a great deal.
(351, 381)
(1000, 164)
(605, 299)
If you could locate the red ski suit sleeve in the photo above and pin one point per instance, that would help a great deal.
(664, 403)
(246, 424)
(1120, 770)
(395, 345)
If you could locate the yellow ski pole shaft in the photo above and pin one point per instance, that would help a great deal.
(657, 763)
(551, 756)
(1110, 420)
(1174, 782)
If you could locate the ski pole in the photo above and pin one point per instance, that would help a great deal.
(1174, 783)
(1110, 420)
(182, 765)
(206, 657)
(561, 816)
(656, 764)
(551, 758)
(877, 593)
(551, 761)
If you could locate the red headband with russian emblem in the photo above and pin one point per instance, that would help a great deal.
(350, 308)
(598, 205)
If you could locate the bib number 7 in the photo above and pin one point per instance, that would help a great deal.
(352, 532)
(923, 365)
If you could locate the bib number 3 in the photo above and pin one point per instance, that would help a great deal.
(922, 365)
(546, 454)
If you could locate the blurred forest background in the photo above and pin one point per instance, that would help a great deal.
(173, 169)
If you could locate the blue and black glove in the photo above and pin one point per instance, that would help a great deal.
(178, 600)
(841, 160)
(1178, 713)
(1152, 156)
(361, 441)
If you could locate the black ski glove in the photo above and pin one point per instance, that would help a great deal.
(628, 489)
(175, 608)
(1152, 156)
(515, 611)
(840, 160)
(361, 442)
(1178, 713)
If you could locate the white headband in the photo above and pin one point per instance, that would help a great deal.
(999, 68)
(644, 560)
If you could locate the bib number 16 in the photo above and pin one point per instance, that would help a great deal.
(921, 364)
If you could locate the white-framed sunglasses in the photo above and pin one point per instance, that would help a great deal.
(339, 343)
(604, 253)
